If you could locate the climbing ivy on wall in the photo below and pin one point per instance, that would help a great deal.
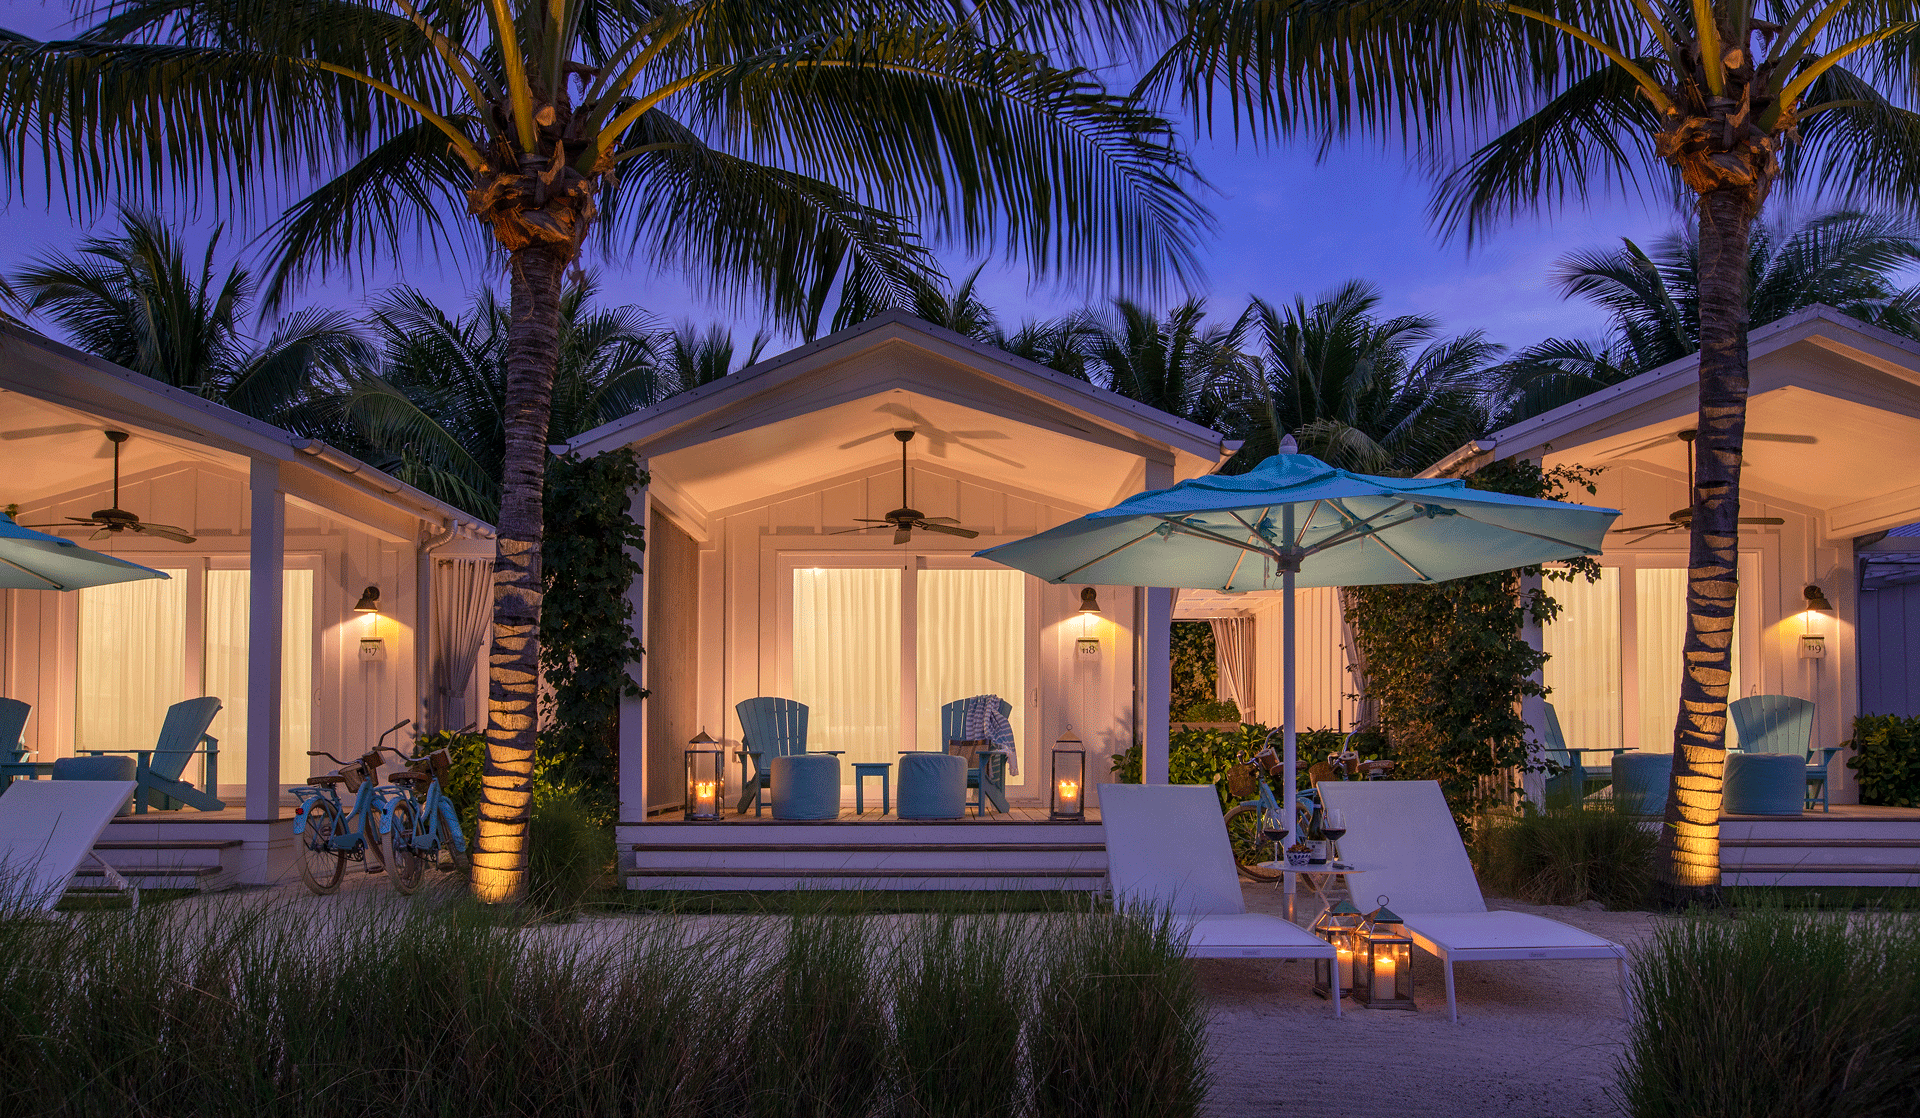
(586, 622)
(1194, 665)
(1448, 664)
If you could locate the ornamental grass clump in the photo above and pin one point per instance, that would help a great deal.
(1567, 856)
(1776, 1013)
(962, 989)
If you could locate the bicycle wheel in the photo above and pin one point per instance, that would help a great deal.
(452, 842)
(1249, 849)
(320, 863)
(406, 864)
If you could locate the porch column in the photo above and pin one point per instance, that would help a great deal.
(266, 564)
(633, 710)
(1157, 627)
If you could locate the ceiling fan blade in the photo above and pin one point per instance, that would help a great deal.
(851, 531)
(101, 534)
(147, 526)
(946, 530)
(1761, 520)
(165, 532)
(1651, 534)
(938, 520)
(1662, 526)
(86, 520)
(37, 432)
(902, 535)
(869, 520)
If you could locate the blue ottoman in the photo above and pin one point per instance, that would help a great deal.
(1764, 784)
(1640, 782)
(103, 767)
(806, 786)
(932, 786)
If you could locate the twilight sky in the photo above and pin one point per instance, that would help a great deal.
(1286, 224)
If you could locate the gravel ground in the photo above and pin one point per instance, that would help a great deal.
(1535, 1039)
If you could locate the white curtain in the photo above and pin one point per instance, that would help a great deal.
(846, 661)
(132, 661)
(1233, 661)
(462, 622)
(971, 640)
(1661, 611)
(1583, 673)
(227, 640)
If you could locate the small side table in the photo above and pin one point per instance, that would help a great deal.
(861, 771)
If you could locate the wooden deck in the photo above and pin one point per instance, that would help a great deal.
(1023, 814)
(1852, 845)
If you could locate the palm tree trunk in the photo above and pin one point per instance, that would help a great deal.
(533, 346)
(1689, 852)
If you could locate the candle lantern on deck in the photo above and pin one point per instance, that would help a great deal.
(706, 779)
(1339, 926)
(1383, 961)
(1069, 779)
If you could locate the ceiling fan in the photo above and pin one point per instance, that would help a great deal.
(904, 520)
(1681, 519)
(114, 520)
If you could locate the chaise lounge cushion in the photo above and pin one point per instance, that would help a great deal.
(932, 786)
(806, 786)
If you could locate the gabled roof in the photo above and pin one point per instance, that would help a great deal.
(72, 381)
(1111, 410)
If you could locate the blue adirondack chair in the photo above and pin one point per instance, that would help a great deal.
(159, 771)
(13, 748)
(1576, 778)
(987, 773)
(770, 728)
(1783, 724)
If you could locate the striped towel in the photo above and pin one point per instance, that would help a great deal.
(981, 720)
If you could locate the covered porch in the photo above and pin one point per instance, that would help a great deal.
(320, 600)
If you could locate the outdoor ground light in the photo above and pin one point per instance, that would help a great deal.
(706, 779)
(1383, 961)
(1069, 778)
(1339, 926)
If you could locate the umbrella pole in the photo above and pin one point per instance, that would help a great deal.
(1286, 713)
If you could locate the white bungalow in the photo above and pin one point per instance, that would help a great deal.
(289, 536)
(766, 575)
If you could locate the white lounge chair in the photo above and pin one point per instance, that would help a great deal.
(47, 828)
(1402, 831)
(1167, 849)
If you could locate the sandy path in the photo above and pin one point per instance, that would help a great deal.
(1535, 1039)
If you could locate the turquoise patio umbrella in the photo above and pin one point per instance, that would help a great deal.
(1295, 521)
(31, 560)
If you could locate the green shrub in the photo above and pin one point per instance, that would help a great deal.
(568, 852)
(467, 753)
(1776, 1013)
(1196, 756)
(1119, 1029)
(1210, 710)
(1566, 855)
(1887, 759)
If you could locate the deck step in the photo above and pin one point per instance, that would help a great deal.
(149, 871)
(870, 848)
(1823, 867)
(775, 871)
(166, 844)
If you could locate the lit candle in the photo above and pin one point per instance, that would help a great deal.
(705, 796)
(1346, 968)
(1069, 793)
(1385, 969)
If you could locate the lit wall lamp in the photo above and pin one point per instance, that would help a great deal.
(1089, 600)
(1817, 600)
(371, 646)
(1812, 645)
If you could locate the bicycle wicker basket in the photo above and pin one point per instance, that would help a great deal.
(1242, 782)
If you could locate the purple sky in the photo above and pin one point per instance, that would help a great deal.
(1286, 224)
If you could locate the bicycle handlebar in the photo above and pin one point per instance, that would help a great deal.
(328, 756)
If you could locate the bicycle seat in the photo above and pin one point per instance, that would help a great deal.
(410, 777)
(328, 778)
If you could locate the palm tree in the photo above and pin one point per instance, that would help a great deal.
(1843, 259)
(133, 299)
(780, 148)
(1724, 97)
(1355, 389)
(689, 356)
(1178, 364)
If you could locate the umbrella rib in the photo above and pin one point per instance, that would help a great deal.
(1353, 523)
(1583, 549)
(1242, 557)
(31, 573)
(1209, 534)
(1102, 558)
(1305, 524)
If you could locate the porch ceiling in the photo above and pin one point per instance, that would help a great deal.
(49, 449)
(1827, 454)
(1076, 469)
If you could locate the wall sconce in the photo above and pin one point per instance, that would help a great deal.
(371, 646)
(369, 601)
(1817, 600)
(1089, 600)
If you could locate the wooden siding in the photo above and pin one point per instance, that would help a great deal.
(673, 653)
(1890, 650)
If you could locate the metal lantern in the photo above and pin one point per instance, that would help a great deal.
(1069, 779)
(1339, 926)
(706, 778)
(1383, 961)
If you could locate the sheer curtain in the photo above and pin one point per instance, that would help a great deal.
(462, 622)
(1233, 657)
(846, 661)
(1661, 610)
(227, 610)
(971, 640)
(1583, 673)
(132, 661)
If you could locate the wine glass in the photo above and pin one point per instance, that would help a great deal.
(1273, 828)
(1334, 824)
